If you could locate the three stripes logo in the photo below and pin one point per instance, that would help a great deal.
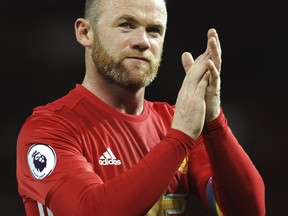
(108, 159)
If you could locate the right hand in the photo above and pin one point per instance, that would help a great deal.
(189, 115)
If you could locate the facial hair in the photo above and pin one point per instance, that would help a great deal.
(116, 72)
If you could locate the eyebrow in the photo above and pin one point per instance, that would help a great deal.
(127, 17)
(132, 19)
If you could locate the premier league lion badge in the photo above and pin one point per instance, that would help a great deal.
(41, 160)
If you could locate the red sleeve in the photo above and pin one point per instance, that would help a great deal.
(238, 185)
(199, 170)
(75, 189)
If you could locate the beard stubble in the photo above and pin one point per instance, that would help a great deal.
(116, 72)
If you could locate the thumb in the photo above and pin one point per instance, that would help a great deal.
(187, 61)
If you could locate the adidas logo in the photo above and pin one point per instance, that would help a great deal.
(108, 158)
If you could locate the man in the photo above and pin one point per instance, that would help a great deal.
(104, 150)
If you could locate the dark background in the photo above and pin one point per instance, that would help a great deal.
(40, 61)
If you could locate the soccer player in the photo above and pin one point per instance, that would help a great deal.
(104, 150)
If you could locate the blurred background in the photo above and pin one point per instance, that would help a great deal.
(40, 61)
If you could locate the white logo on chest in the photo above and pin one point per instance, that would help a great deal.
(109, 159)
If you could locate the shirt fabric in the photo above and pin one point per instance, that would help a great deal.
(78, 156)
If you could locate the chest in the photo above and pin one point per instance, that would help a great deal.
(113, 146)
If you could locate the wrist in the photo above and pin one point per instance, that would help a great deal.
(218, 122)
(211, 116)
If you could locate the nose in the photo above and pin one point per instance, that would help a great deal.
(140, 40)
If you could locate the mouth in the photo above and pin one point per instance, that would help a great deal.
(141, 58)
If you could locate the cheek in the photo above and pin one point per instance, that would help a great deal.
(115, 45)
(157, 49)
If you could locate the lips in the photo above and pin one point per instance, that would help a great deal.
(139, 58)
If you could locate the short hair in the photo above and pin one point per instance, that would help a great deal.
(92, 10)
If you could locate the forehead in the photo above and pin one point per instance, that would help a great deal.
(148, 10)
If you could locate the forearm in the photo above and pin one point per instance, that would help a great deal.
(132, 193)
(238, 185)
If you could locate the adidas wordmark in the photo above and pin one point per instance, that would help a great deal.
(108, 158)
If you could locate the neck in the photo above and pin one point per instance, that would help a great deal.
(123, 100)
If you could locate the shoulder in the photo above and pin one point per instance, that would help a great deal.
(68, 101)
(62, 114)
(69, 107)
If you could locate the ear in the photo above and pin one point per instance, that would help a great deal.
(83, 32)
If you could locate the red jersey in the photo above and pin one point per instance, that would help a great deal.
(78, 156)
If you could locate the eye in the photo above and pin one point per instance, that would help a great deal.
(154, 30)
(126, 25)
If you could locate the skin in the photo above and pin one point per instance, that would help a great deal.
(132, 34)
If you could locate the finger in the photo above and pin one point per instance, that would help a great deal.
(187, 61)
(213, 33)
(214, 73)
(215, 52)
(214, 47)
(202, 86)
(196, 73)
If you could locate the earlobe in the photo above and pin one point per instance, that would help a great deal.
(83, 32)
